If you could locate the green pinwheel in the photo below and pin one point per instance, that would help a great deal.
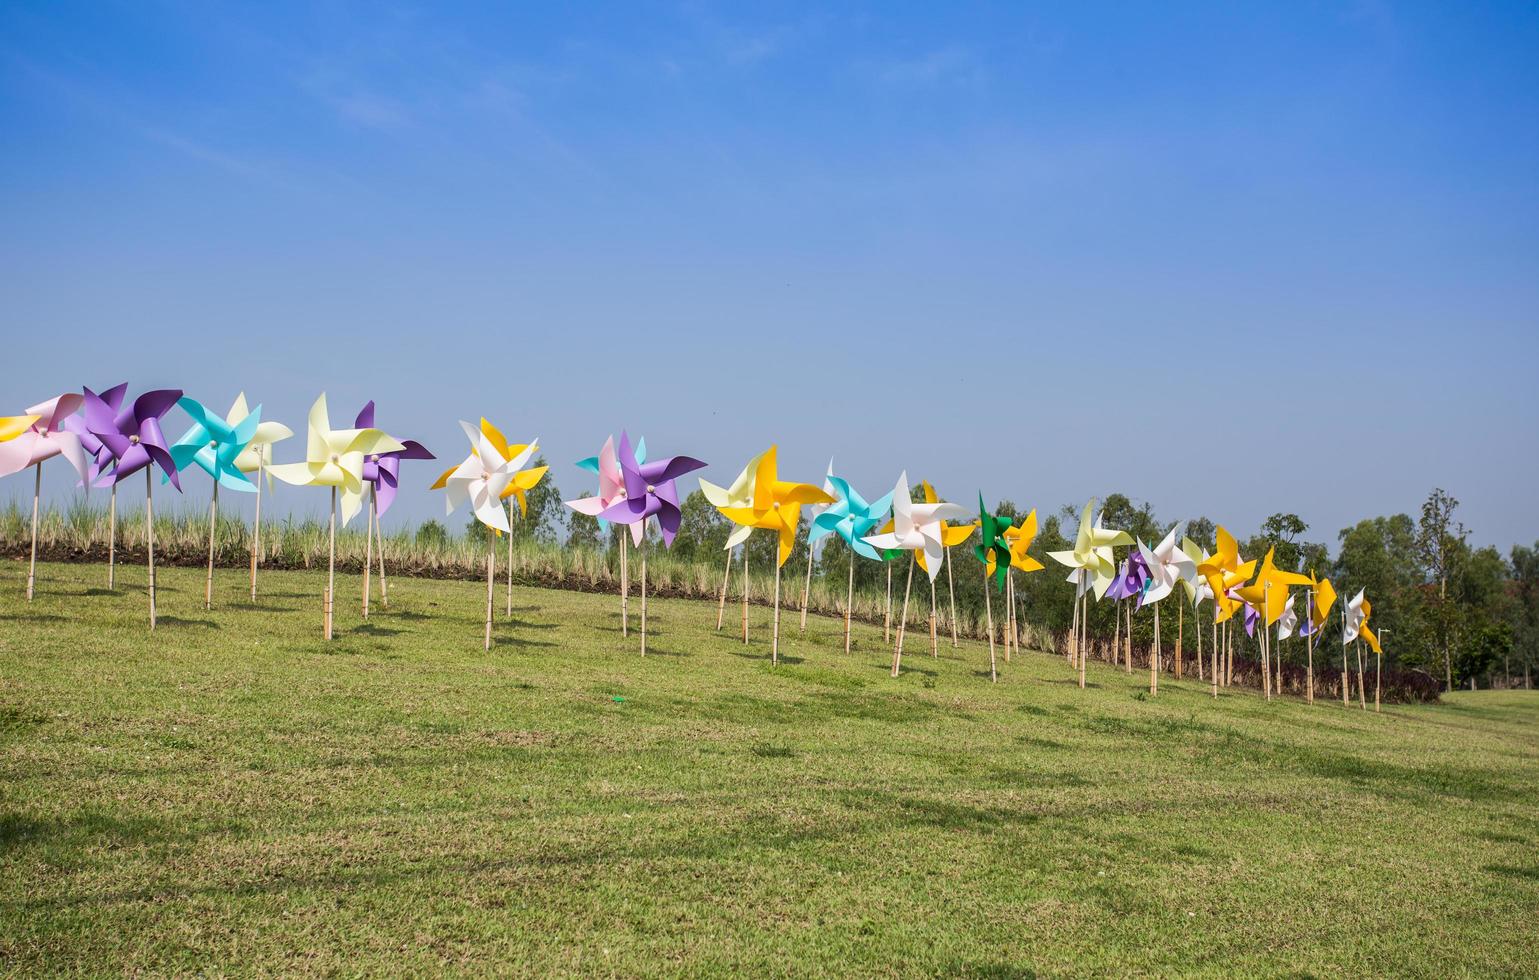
(214, 444)
(993, 551)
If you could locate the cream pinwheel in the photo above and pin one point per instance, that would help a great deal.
(1093, 567)
(737, 497)
(482, 480)
(334, 458)
(776, 506)
(255, 458)
(916, 528)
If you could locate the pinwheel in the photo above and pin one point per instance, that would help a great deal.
(481, 480)
(650, 491)
(1198, 589)
(255, 458)
(777, 506)
(523, 481)
(738, 497)
(994, 553)
(1378, 652)
(1224, 572)
(1321, 597)
(1168, 565)
(851, 518)
(1268, 594)
(382, 474)
(812, 516)
(1092, 568)
(30, 439)
(98, 471)
(917, 528)
(951, 536)
(1354, 616)
(334, 458)
(214, 443)
(611, 489)
(1288, 622)
(1019, 537)
(134, 437)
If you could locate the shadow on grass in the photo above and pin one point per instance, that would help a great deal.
(180, 623)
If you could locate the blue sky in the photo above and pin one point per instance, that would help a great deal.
(1032, 250)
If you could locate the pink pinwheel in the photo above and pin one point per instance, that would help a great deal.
(382, 475)
(42, 440)
(611, 490)
(648, 491)
(134, 438)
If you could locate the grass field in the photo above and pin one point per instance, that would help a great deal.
(233, 795)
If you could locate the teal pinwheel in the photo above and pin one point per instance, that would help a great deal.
(852, 518)
(214, 444)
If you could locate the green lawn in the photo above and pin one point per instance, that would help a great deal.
(235, 795)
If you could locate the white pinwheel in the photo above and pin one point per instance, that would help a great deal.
(482, 478)
(917, 528)
(1288, 621)
(1168, 565)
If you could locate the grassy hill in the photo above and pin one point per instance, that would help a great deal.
(232, 794)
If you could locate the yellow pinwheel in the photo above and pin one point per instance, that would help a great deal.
(334, 458)
(1224, 572)
(777, 506)
(1091, 560)
(1268, 594)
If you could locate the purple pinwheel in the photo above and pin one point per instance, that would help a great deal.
(99, 467)
(136, 442)
(1132, 579)
(382, 475)
(648, 491)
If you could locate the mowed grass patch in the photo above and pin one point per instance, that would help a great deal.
(233, 794)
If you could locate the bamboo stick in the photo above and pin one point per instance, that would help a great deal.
(988, 608)
(331, 565)
(849, 602)
(625, 582)
(897, 650)
(951, 586)
(807, 582)
(745, 593)
(933, 650)
(721, 607)
(508, 613)
(775, 627)
(1154, 657)
(368, 552)
(384, 591)
(256, 532)
(643, 549)
(37, 493)
(491, 572)
(213, 522)
(112, 534)
(149, 536)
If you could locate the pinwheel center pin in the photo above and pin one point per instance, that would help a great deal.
(335, 458)
(651, 488)
(133, 439)
(374, 458)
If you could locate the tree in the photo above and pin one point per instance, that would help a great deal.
(1525, 610)
(583, 530)
(1438, 537)
(1280, 532)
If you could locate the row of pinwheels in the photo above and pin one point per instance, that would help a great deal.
(1146, 575)
(107, 439)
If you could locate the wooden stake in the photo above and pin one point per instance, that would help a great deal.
(368, 550)
(1266, 645)
(384, 592)
(256, 533)
(951, 587)
(988, 609)
(1127, 639)
(887, 616)
(491, 573)
(643, 549)
(1180, 626)
(1154, 657)
(326, 611)
(625, 582)
(849, 602)
(509, 611)
(1309, 646)
(745, 593)
(1213, 669)
(37, 493)
(1346, 686)
(933, 651)
(1009, 612)
(897, 650)
(721, 607)
(112, 534)
(1084, 626)
(1362, 675)
(331, 565)
(807, 583)
(775, 628)
(149, 536)
(213, 522)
